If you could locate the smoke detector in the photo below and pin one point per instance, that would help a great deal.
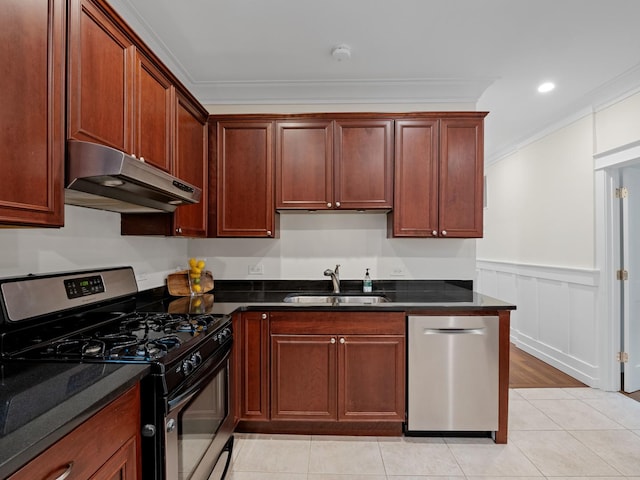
(341, 52)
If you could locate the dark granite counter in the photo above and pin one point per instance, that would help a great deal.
(42, 402)
(411, 296)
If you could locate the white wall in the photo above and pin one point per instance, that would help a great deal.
(90, 238)
(309, 243)
(540, 202)
(540, 239)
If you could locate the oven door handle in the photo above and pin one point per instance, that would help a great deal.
(184, 398)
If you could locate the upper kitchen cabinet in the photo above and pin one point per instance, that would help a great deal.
(304, 164)
(244, 179)
(334, 164)
(363, 176)
(100, 84)
(191, 166)
(32, 79)
(153, 113)
(439, 176)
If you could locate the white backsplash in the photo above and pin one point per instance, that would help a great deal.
(309, 243)
(90, 238)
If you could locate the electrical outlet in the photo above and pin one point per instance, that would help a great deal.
(257, 269)
(397, 272)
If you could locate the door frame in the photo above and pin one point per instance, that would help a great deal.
(607, 167)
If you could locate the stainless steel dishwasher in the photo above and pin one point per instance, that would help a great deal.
(452, 373)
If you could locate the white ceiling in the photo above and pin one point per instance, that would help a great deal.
(487, 53)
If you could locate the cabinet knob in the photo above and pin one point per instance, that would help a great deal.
(268, 233)
(444, 232)
(342, 340)
(329, 205)
(141, 159)
(337, 204)
(179, 230)
(333, 340)
(434, 233)
(263, 316)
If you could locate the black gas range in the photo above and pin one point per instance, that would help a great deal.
(93, 317)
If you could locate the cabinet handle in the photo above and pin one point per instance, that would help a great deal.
(444, 233)
(66, 473)
(333, 340)
(337, 204)
(328, 204)
(263, 316)
(434, 233)
(268, 233)
(342, 340)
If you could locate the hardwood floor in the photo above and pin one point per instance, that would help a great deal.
(526, 371)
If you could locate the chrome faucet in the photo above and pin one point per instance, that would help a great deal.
(335, 278)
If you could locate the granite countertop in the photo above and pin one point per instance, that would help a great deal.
(42, 402)
(411, 296)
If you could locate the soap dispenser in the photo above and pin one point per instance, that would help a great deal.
(367, 286)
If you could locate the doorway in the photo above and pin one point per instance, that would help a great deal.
(617, 184)
(630, 283)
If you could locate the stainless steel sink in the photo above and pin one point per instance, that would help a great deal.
(336, 298)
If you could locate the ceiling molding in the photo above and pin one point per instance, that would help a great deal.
(423, 90)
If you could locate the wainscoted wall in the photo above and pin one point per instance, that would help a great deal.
(556, 316)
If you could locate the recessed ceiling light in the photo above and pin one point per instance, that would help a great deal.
(546, 87)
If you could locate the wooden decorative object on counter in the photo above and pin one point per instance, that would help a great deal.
(178, 283)
(198, 304)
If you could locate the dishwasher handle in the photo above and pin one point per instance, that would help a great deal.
(453, 331)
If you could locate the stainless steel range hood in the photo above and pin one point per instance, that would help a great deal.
(107, 179)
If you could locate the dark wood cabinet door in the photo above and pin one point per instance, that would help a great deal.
(154, 114)
(363, 177)
(191, 166)
(32, 87)
(100, 84)
(303, 377)
(461, 177)
(371, 377)
(304, 164)
(109, 455)
(415, 206)
(253, 382)
(244, 171)
(121, 466)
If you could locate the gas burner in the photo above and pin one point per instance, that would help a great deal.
(116, 340)
(194, 325)
(78, 347)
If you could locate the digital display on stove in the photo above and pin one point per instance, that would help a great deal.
(81, 287)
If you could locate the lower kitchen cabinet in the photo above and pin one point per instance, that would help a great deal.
(251, 333)
(105, 447)
(337, 366)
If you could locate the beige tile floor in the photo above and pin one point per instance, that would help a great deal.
(553, 433)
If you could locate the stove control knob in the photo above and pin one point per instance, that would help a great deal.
(187, 367)
(196, 359)
(148, 430)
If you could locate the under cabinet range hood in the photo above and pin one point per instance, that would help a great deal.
(107, 179)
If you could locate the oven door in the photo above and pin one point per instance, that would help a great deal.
(198, 428)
